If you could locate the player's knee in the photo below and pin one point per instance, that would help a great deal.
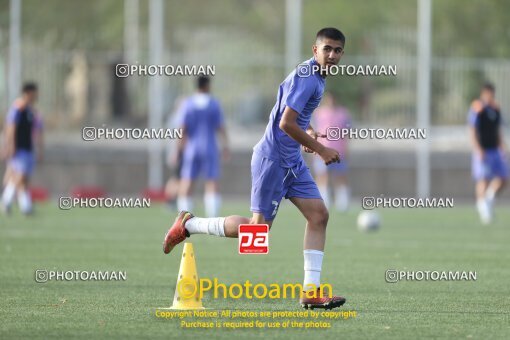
(324, 217)
(319, 218)
(18, 181)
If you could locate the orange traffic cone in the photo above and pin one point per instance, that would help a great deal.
(187, 294)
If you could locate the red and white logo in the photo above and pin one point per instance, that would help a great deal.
(253, 239)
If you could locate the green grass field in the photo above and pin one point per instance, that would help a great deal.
(355, 264)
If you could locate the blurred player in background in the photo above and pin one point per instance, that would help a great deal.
(23, 143)
(489, 167)
(278, 169)
(201, 118)
(328, 115)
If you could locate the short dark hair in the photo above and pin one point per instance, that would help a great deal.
(29, 87)
(489, 87)
(330, 33)
(203, 82)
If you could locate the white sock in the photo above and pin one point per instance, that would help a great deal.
(313, 267)
(484, 210)
(490, 196)
(184, 203)
(342, 194)
(8, 194)
(324, 191)
(25, 201)
(209, 226)
(212, 203)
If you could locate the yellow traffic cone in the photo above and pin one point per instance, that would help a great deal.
(187, 294)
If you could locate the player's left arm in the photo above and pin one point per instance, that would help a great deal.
(475, 108)
(10, 132)
(314, 134)
(289, 125)
(39, 139)
(39, 145)
(501, 142)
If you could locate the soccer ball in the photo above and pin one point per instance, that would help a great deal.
(368, 221)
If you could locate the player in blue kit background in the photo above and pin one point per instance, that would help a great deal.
(23, 144)
(278, 169)
(201, 118)
(489, 166)
(332, 115)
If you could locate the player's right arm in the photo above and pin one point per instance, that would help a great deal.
(10, 133)
(474, 142)
(475, 109)
(314, 134)
(289, 125)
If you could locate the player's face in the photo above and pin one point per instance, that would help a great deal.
(328, 52)
(31, 97)
(487, 96)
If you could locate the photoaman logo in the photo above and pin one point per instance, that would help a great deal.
(253, 239)
(188, 288)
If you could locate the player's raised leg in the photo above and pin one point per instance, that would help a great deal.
(266, 194)
(186, 225)
(227, 227)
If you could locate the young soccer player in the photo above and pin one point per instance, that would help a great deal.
(278, 169)
(23, 132)
(201, 118)
(328, 115)
(489, 167)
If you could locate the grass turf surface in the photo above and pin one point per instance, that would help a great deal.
(355, 264)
